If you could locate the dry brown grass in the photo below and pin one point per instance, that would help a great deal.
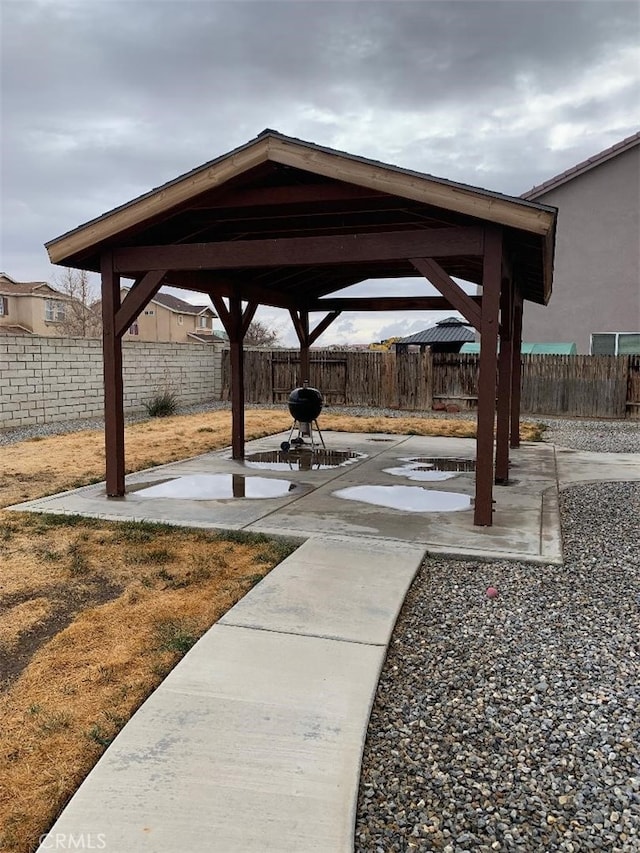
(94, 614)
(38, 467)
(92, 633)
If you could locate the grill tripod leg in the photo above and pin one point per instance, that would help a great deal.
(320, 434)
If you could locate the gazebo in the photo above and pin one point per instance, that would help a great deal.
(447, 335)
(287, 223)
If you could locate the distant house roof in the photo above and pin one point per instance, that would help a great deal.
(449, 331)
(14, 330)
(179, 306)
(208, 338)
(584, 166)
(532, 348)
(10, 287)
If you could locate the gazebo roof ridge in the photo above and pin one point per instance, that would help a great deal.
(273, 147)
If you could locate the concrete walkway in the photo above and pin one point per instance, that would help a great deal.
(253, 743)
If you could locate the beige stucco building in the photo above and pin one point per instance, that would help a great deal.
(596, 287)
(32, 307)
(169, 318)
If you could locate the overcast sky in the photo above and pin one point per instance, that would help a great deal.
(101, 100)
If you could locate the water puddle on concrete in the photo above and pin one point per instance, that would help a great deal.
(303, 460)
(430, 469)
(443, 463)
(208, 487)
(407, 498)
(420, 473)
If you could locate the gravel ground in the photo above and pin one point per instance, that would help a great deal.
(512, 723)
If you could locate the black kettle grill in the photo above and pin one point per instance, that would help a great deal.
(305, 404)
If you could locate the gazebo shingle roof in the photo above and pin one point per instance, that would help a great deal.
(450, 330)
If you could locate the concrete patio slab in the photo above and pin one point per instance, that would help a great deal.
(313, 509)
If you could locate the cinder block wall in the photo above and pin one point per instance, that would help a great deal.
(43, 380)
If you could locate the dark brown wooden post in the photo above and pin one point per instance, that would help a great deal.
(112, 362)
(516, 369)
(505, 366)
(301, 325)
(491, 279)
(236, 337)
(305, 373)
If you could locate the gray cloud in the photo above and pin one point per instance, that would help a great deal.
(103, 100)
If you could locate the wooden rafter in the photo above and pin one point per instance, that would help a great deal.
(386, 303)
(302, 251)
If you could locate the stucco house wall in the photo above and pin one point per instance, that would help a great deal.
(25, 306)
(597, 263)
(159, 323)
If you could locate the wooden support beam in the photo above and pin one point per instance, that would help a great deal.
(463, 303)
(302, 251)
(516, 368)
(223, 313)
(301, 325)
(505, 366)
(322, 326)
(113, 391)
(298, 326)
(236, 336)
(386, 303)
(247, 317)
(141, 293)
(491, 280)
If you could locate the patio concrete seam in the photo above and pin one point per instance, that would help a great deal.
(332, 637)
(339, 472)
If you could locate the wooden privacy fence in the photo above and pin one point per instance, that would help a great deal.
(571, 385)
(580, 385)
(344, 377)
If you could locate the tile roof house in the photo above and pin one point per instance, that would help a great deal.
(32, 308)
(596, 295)
(447, 335)
(169, 318)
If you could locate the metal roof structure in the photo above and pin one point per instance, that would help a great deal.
(448, 331)
(531, 348)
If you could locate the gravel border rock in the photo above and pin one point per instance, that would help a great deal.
(512, 723)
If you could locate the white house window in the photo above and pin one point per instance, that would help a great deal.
(203, 322)
(54, 310)
(179, 319)
(4, 306)
(149, 312)
(133, 329)
(615, 343)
